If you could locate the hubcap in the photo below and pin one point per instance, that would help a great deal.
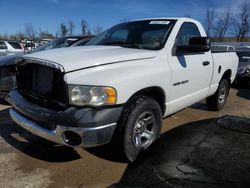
(222, 94)
(144, 130)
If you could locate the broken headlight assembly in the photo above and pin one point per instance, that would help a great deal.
(91, 95)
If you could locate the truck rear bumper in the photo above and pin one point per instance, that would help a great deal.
(85, 127)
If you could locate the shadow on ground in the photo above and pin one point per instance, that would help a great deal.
(32, 145)
(199, 154)
(108, 152)
(244, 93)
(200, 106)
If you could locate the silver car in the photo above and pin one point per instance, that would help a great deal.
(10, 47)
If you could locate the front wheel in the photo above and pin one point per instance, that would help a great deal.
(217, 101)
(141, 125)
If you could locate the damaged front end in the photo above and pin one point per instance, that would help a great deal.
(7, 80)
(7, 74)
(42, 82)
(40, 105)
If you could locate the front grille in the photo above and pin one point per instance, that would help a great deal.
(42, 84)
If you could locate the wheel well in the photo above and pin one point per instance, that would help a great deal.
(156, 93)
(227, 75)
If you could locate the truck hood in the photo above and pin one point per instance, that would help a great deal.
(75, 58)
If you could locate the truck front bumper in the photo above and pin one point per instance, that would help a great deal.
(75, 127)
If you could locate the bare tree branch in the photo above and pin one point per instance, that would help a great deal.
(97, 29)
(71, 27)
(45, 35)
(63, 30)
(85, 27)
(30, 31)
(209, 21)
(223, 24)
(241, 22)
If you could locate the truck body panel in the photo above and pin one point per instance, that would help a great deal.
(124, 71)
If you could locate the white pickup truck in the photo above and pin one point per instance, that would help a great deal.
(120, 86)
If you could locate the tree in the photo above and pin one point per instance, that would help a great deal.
(97, 29)
(30, 31)
(223, 24)
(4, 36)
(45, 35)
(63, 30)
(20, 36)
(71, 27)
(85, 27)
(241, 22)
(209, 21)
(13, 37)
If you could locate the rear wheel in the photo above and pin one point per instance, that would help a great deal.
(140, 125)
(217, 101)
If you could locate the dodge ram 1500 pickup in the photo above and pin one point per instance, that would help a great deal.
(119, 87)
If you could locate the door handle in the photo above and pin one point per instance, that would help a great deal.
(206, 63)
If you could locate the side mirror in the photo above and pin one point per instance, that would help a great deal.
(195, 45)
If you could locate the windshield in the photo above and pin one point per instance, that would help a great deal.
(149, 34)
(244, 56)
(57, 43)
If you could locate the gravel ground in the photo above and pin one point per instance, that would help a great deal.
(194, 150)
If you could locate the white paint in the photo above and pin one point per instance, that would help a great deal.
(138, 69)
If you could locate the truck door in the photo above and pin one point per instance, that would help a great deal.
(191, 73)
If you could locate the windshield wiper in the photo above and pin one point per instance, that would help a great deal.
(123, 44)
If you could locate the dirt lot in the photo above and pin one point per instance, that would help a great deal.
(199, 153)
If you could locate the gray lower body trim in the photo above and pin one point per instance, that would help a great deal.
(90, 137)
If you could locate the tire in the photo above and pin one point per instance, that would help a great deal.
(140, 125)
(217, 101)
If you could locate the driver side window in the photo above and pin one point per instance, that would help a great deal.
(187, 31)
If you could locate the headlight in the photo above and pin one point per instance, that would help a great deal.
(91, 95)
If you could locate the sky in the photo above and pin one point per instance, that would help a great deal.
(48, 14)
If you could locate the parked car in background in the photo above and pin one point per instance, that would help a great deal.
(10, 47)
(222, 48)
(243, 72)
(29, 45)
(7, 63)
(44, 41)
(64, 42)
(244, 48)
